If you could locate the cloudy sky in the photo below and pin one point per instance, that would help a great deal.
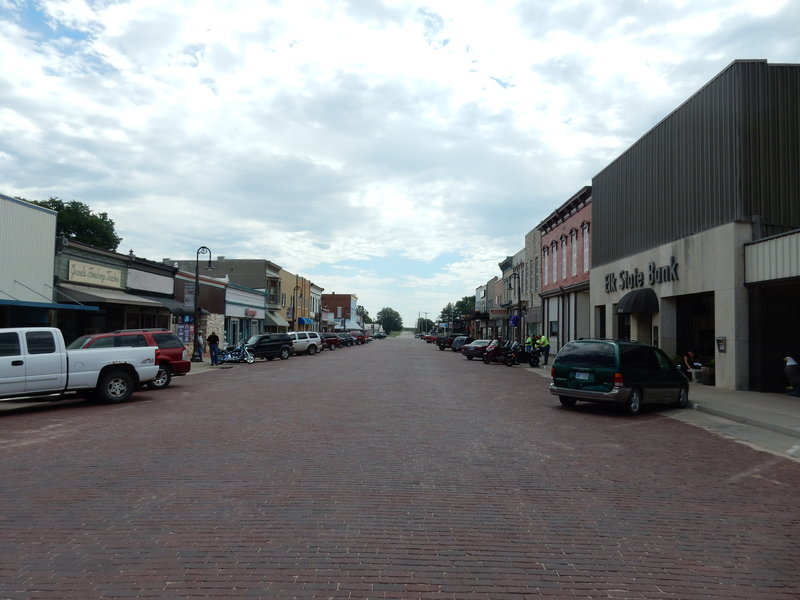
(395, 149)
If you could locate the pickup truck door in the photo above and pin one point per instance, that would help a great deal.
(12, 365)
(45, 362)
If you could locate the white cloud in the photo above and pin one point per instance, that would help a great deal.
(330, 137)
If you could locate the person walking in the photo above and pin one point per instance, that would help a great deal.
(213, 347)
(544, 345)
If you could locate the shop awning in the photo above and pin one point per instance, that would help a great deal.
(46, 305)
(638, 301)
(82, 293)
(348, 324)
(176, 307)
(304, 321)
(274, 319)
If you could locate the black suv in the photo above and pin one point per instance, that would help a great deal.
(270, 345)
(619, 372)
(446, 341)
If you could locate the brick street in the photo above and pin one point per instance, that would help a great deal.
(390, 470)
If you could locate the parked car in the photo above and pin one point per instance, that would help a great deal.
(459, 342)
(34, 361)
(475, 348)
(618, 372)
(173, 357)
(446, 340)
(330, 341)
(361, 337)
(270, 345)
(380, 335)
(305, 342)
(347, 339)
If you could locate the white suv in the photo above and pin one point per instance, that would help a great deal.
(305, 341)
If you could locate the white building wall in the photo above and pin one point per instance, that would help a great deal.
(28, 234)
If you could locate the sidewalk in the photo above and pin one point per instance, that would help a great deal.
(775, 412)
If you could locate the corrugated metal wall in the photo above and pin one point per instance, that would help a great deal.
(730, 152)
(27, 233)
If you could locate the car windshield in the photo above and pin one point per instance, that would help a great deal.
(480, 343)
(253, 339)
(596, 355)
(79, 343)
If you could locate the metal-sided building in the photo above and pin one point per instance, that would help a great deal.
(696, 229)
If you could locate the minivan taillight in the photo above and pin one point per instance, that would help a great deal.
(618, 380)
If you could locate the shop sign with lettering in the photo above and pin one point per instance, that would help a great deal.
(630, 280)
(81, 272)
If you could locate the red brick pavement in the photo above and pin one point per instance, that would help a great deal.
(391, 470)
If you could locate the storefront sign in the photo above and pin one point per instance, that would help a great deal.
(630, 280)
(81, 272)
(497, 313)
(250, 312)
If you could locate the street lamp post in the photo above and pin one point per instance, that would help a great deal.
(294, 308)
(515, 275)
(198, 349)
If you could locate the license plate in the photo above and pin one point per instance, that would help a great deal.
(583, 376)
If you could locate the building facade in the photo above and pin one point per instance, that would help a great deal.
(690, 224)
(566, 251)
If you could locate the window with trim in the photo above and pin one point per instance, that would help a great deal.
(573, 241)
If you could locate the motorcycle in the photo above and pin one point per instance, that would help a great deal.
(517, 354)
(237, 354)
(496, 352)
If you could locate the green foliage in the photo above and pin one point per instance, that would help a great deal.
(77, 221)
(458, 313)
(362, 312)
(389, 320)
(424, 325)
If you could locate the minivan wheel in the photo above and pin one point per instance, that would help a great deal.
(634, 405)
(683, 398)
(567, 401)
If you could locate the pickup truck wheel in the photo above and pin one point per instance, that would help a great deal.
(162, 380)
(115, 386)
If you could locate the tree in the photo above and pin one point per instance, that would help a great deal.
(362, 312)
(77, 221)
(390, 320)
(458, 313)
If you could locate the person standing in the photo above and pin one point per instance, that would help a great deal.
(213, 347)
(198, 347)
(544, 345)
(529, 344)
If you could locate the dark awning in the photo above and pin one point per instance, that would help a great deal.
(47, 305)
(273, 319)
(638, 301)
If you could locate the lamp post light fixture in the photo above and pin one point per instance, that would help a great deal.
(198, 349)
(515, 275)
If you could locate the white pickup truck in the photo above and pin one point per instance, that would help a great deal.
(34, 361)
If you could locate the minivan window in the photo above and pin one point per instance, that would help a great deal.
(588, 355)
(638, 357)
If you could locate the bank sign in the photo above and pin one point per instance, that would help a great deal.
(630, 280)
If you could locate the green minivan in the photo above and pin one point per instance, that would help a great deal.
(619, 372)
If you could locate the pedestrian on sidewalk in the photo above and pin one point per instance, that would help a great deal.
(544, 345)
(198, 347)
(213, 347)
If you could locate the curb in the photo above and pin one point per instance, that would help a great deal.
(788, 431)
